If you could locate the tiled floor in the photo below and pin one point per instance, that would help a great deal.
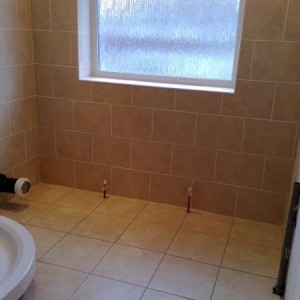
(127, 249)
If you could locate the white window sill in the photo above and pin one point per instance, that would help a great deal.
(226, 90)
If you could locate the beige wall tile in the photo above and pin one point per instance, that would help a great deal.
(292, 29)
(40, 10)
(8, 14)
(276, 61)
(239, 169)
(4, 120)
(214, 197)
(260, 205)
(57, 113)
(18, 47)
(57, 171)
(245, 59)
(132, 122)
(92, 117)
(63, 15)
(112, 93)
(74, 49)
(24, 14)
(169, 189)
(43, 76)
(278, 175)
(219, 132)
(265, 20)
(52, 47)
(12, 151)
(174, 127)
(113, 151)
(200, 102)
(269, 138)
(90, 176)
(153, 97)
(287, 102)
(193, 162)
(251, 99)
(74, 145)
(28, 81)
(10, 83)
(130, 183)
(32, 145)
(67, 85)
(150, 156)
(22, 114)
(47, 141)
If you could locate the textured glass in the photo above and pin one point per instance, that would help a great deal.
(173, 38)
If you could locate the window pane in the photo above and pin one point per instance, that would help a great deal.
(173, 38)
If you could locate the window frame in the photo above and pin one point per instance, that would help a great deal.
(88, 51)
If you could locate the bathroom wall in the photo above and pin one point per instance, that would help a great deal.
(237, 151)
(18, 126)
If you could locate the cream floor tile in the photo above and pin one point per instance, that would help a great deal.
(78, 253)
(128, 264)
(102, 227)
(163, 214)
(47, 193)
(21, 210)
(234, 285)
(208, 223)
(95, 288)
(185, 278)
(148, 236)
(252, 258)
(155, 295)
(53, 283)
(121, 206)
(258, 233)
(59, 218)
(83, 200)
(198, 246)
(44, 239)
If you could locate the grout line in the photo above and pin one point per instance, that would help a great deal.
(165, 253)
(243, 136)
(263, 174)
(252, 59)
(285, 20)
(222, 104)
(220, 266)
(50, 17)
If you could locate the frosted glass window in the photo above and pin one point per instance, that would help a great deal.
(168, 38)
